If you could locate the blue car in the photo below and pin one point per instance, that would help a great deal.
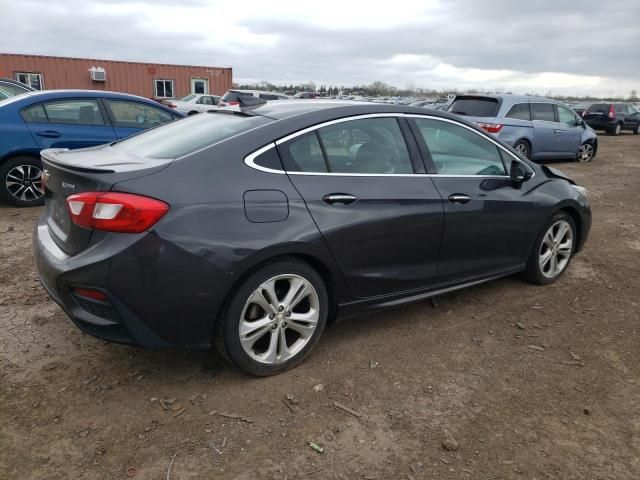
(69, 119)
(538, 128)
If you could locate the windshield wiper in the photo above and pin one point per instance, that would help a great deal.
(459, 113)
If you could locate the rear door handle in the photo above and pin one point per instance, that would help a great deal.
(49, 134)
(343, 198)
(560, 131)
(459, 198)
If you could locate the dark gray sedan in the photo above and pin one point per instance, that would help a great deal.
(253, 229)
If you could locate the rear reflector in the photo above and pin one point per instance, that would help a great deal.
(115, 212)
(490, 127)
(90, 293)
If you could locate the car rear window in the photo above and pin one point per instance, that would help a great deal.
(233, 96)
(185, 136)
(475, 106)
(600, 107)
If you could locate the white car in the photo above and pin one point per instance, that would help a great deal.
(195, 103)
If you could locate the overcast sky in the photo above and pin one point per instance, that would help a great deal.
(541, 46)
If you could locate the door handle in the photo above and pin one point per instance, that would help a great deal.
(343, 198)
(48, 134)
(459, 198)
(560, 131)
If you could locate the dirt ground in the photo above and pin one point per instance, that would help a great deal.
(531, 382)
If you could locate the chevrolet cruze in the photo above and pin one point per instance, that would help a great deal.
(252, 229)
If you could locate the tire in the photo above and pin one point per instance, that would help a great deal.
(21, 182)
(192, 112)
(523, 148)
(267, 324)
(586, 152)
(541, 273)
(616, 130)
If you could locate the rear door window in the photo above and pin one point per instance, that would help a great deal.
(475, 106)
(543, 111)
(520, 111)
(372, 145)
(35, 114)
(304, 154)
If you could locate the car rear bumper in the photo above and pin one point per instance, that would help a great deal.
(601, 124)
(157, 295)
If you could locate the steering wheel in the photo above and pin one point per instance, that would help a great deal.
(390, 160)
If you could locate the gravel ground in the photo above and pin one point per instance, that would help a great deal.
(500, 381)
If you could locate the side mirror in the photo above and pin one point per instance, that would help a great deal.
(519, 172)
(579, 122)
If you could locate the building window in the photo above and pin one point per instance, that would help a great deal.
(34, 80)
(163, 88)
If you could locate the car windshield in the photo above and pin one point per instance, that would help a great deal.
(185, 136)
(475, 106)
(187, 98)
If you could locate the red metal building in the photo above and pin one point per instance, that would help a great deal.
(150, 80)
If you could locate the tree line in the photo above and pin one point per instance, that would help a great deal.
(382, 89)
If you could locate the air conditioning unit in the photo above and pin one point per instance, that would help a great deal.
(98, 74)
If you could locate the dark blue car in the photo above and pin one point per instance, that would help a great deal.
(70, 119)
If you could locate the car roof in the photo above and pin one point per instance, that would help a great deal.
(513, 98)
(43, 95)
(293, 108)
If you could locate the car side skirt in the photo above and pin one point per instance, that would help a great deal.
(383, 302)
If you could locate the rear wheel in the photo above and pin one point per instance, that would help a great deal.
(21, 182)
(523, 148)
(586, 152)
(617, 130)
(192, 112)
(552, 251)
(274, 319)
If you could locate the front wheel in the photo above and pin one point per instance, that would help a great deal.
(274, 319)
(21, 182)
(586, 152)
(553, 250)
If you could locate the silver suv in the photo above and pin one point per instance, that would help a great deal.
(538, 128)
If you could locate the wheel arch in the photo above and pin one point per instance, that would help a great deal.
(328, 277)
(577, 220)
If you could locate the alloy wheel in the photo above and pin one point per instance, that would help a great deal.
(556, 249)
(618, 129)
(24, 182)
(585, 152)
(521, 148)
(279, 318)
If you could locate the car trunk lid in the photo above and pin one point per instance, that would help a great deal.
(86, 170)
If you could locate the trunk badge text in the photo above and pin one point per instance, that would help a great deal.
(68, 186)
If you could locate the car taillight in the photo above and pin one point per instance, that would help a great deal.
(612, 112)
(171, 105)
(490, 127)
(115, 212)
